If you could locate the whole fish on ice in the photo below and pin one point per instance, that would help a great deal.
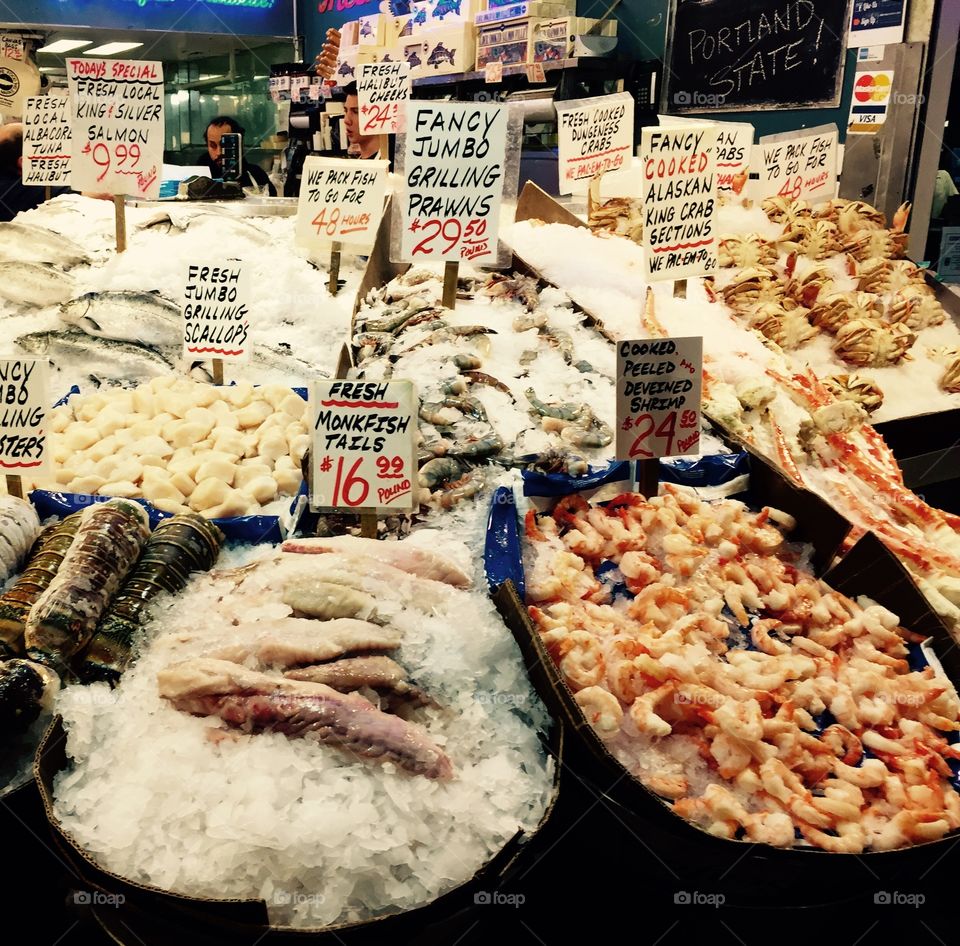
(256, 702)
(21, 242)
(142, 317)
(36, 284)
(100, 357)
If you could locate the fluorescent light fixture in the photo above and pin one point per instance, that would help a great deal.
(108, 49)
(220, 75)
(65, 46)
(262, 77)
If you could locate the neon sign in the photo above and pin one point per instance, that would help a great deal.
(250, 4)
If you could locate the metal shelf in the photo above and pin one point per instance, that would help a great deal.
(515, 69)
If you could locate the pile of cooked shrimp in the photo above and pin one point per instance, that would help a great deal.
(763, 704)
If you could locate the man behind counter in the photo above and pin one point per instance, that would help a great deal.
(252, 175)
(14, 195)
(360, 146)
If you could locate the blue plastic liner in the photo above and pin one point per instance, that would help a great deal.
(501, 553)
(714, 470)
(247, 529)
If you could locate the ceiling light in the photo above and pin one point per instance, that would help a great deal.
(108, 49)
(65, 45)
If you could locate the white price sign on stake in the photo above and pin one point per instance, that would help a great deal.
(362, 455)
(47, 141)
(341, 201)
(382, 90)
(800, 165)
(734, 150)
(24, 402)
(679, 200)
(454, 164)
(594, 135)
(216, 314)
(117, 119)
(658, 397)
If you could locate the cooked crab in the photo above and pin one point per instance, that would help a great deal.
(749, 250)
(622, 216)
(835, 309)
(870, 241)
(751, 286)
(816, 239)
(788, 328)
(885, 275)
(915, 306)
(950, 359)
(785, 210)
(871, 344)
(856, 388)
(807, 288)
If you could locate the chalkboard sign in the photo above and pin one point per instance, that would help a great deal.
(738, 55)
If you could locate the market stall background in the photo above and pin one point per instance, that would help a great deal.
(580, 842)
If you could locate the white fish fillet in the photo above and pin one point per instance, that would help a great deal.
(408, 558)
(286, 642)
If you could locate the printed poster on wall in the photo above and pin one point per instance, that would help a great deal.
(877, 22)
(117, 118)
(679, 200)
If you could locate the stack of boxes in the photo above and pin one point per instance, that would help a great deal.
(445, 37)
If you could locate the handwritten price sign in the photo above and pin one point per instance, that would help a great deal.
(382, 89)
(800, 165)
(117, 121)
(24, 401)
(47, 141)
(658, 397)
(362, 456)
(341, 201)
(454, 165)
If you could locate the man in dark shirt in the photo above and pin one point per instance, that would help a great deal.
(252, 174)
(14, 196)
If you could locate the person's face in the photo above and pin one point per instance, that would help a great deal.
(8, 131)
(351, 118)
(214, 134)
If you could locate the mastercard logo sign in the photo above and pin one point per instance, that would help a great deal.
(872, 88)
